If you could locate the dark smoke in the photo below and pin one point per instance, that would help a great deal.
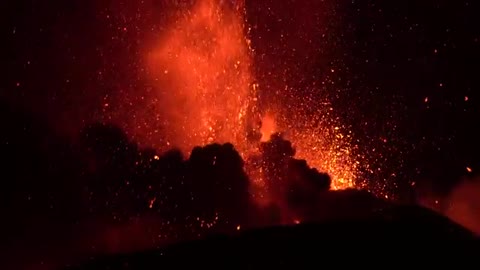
(102, 193)
(294, 186)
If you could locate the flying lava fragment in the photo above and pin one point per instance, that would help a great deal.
(201, 69)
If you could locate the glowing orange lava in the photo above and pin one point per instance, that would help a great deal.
(201, 69)
(268, 127)
(332, 154)
(324, 145)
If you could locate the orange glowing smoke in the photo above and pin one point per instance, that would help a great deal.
(201, 68)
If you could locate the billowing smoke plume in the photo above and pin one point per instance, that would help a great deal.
(288, 183)
(104, 193)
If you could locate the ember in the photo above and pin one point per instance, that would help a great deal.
(202, 70)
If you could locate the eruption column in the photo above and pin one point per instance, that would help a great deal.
(201, 69)
(202, 73)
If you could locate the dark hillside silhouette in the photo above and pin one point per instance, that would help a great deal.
(297, 247)
(52, 186)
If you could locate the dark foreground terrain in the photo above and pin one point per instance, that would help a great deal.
(401, 233)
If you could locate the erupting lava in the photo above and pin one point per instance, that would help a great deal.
(201, 69)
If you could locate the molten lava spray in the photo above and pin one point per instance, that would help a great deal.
(268, 127)
(202, 71)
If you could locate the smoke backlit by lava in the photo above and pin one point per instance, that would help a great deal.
(202, 72)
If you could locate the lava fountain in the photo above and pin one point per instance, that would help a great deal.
(202, 72)
(201, 69)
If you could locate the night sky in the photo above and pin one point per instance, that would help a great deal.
(399, 77)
